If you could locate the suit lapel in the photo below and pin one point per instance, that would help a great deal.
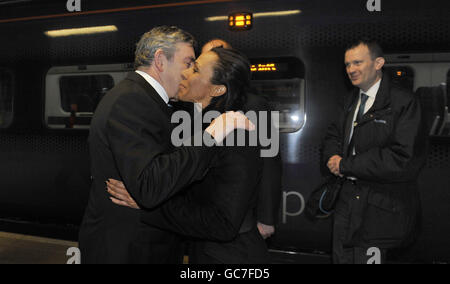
(138, 79)
(382, 100)
(349, 121)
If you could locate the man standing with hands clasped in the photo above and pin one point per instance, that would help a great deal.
(378, 146)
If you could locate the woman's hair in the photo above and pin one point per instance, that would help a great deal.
(232, 70)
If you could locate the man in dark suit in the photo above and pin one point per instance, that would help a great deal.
(378, 145)
(130, 140)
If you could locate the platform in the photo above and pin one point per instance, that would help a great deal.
(24, 249)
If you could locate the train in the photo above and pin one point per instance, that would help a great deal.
(58, 58)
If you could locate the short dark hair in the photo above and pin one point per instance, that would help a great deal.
(374, 48)
(232, 70)
(162, 37)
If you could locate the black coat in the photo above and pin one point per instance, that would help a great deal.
(219, 211)
(390, 145)
(130, 141)
(269, 187)
(269, 197)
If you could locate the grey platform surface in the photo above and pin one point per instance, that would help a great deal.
(23, 249)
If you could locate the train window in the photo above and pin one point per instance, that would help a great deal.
(281, 82)
(446, 126)
(448, 89)
(83, 93)
(401, 75)
(73, 92)
(6, 98)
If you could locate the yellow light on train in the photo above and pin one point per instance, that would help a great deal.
(240, 21)
(81, 31)
(256, 15)
(270, 67)
(399, 73)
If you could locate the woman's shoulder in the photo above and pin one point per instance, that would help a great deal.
(239, 154)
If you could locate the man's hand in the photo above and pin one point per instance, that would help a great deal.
(333, 165)
(120, 194)
(266, 231)
(226, 123)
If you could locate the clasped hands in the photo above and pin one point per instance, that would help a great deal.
(333, 164)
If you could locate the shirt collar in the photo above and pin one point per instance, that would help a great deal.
(156, 85)
(372, 92)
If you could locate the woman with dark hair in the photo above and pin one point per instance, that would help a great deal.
(218, 213)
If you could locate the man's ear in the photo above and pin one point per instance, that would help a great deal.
(379, 63)
(219, 90)
(160, 60)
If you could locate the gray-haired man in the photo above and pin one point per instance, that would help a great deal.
(130, 141)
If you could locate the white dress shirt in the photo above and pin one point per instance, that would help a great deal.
(156, 85)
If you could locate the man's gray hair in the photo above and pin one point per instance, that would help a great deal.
(163, 37)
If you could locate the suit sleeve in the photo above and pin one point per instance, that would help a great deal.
(334, 138)
(217, 219)
(135, 129)
(401, 159)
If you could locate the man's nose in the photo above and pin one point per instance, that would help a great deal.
(350, 69)
(184, 74)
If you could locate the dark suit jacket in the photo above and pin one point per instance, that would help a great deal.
(214, 210)
(390, 152)
(130, 141)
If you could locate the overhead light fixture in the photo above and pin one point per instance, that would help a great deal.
(277, 13)
(6, 2)
(240, 21)
(258, 15)
(81, 31)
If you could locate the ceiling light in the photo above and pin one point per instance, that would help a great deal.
(81, 31)
(258, 15)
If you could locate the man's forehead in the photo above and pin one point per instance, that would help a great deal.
(185, 51)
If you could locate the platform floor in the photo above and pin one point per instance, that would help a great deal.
(23, 249)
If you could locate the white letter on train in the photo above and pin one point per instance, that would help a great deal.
(302, 205)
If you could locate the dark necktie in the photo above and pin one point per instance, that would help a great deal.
(170, 109)
(362, 106)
